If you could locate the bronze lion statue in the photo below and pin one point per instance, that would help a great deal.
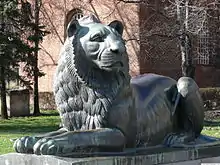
(102, 107)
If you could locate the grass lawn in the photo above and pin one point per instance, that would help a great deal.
(49, 121)
(23, 126)
(212, 128)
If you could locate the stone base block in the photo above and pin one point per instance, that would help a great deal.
(144, 157)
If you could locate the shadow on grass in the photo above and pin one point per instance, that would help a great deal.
(5, 129)
(49, 114)
(209, 123)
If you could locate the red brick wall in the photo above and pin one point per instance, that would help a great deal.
(158, 53)
(207, 76)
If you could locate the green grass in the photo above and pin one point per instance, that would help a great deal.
(23, 126)
(212, 132)
(212, 128)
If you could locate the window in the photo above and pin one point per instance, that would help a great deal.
(207, 41)
(74, 14)
(203, 45)
(77, 16)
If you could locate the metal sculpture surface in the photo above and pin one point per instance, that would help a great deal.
(101, 107)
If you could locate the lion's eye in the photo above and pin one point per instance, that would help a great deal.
(97, 38)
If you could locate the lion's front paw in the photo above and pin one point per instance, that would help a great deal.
(53, 146)
(49, 146)
(46, 146)
(25, 144)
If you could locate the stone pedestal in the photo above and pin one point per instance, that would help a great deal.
(19, 102)
(143, 157)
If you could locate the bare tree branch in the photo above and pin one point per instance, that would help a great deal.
(47, 65)
(132, 1)
(51, 57)
(51, 22)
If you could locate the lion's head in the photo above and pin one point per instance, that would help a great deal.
(98, 46)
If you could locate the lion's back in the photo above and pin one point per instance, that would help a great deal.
(152, 105)
(150, 84)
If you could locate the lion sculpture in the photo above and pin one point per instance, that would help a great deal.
(102, 107)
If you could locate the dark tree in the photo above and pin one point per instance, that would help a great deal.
(13, 49)
(4, 113)
(26, 12)
(37, 33)
(19, 44)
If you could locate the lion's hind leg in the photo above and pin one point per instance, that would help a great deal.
(189, 115)
(178, 139)
(191, 109)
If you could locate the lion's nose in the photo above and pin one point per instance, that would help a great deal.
(114, 48)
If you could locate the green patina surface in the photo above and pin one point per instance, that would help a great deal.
(23, 126)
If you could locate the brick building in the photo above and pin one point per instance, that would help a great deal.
(148, 51)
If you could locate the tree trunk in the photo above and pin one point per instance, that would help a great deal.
(4, 113)
(36, 96)
(187, 66)
(36, 72)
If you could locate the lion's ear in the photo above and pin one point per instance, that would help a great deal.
(118, 26)
(72, 28)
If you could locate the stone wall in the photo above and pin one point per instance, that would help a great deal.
(46, 101)
(19, 102)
